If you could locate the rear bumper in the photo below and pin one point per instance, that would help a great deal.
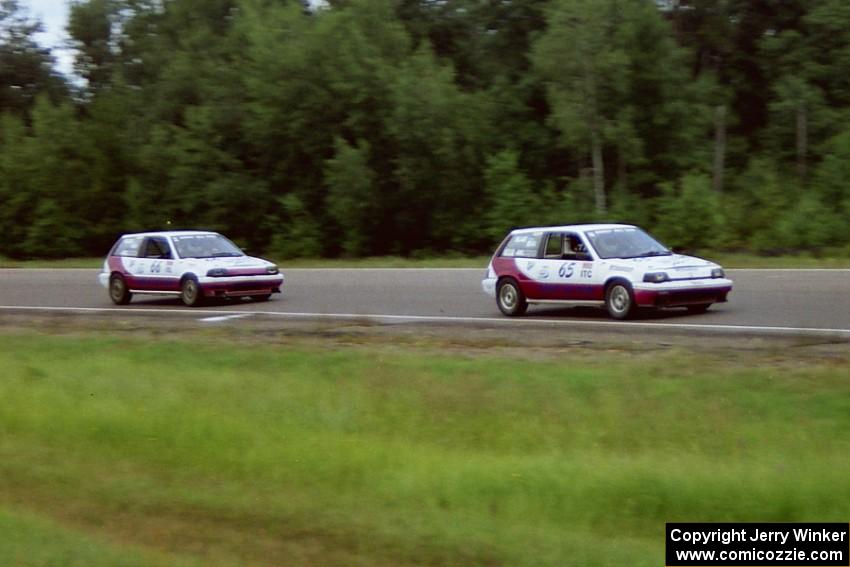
(489, 286)
(677, 294)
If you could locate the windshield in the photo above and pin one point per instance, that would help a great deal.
(205, 246)
(627, 242)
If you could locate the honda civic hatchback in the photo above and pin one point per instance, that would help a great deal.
(616, 266)
(193, 265)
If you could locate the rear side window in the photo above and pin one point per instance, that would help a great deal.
(523, 245)
(157, 248)
(127, 246)
(554, 247)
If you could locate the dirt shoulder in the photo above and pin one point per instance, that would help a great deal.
(530, 342)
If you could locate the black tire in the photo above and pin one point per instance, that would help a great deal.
(119, 293)
(619, 300)
(190, 292)
(260, 298)
(696, 309)
(510, 299)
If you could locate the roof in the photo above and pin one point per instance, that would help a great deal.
(171, 233)
(572, 227)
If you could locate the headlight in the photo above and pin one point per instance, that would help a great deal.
(718, 273)
(656, 277)
(272, 270)
(217, 273)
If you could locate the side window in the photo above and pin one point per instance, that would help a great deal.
(157, 248)
(127, 246)
(554, 248)
(574, 248)
(524, 245)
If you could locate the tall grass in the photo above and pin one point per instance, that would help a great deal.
(276, 455)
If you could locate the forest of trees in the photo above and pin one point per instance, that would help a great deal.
(415, 127)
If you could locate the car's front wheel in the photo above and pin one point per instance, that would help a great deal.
(263, 297)
(619, 301)
(702, 308)
(190, 292)
(510, 299)
(119, 293)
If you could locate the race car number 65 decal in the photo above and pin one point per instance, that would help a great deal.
(566, 270)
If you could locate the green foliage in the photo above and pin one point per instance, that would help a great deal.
(351, 195)
(628, 207)
(689, 214)
(92, 26)
(297, 234)
(811, 225)
(513, 203)
(26, 68)
(434, 130)
(416, 128)
(54, 233)
(766, 195)
(831, 177)
(584, 66)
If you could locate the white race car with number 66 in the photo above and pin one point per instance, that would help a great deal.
(192, 264)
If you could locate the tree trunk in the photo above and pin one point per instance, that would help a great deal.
(719, 147)
(598, 173)
(622, 170)
(802, 141)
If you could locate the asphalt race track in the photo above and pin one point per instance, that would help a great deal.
(805, 302)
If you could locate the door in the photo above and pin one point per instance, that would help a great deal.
(568, 269)
(154, 270)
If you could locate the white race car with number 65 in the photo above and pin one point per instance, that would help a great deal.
(616, 266)
(192, 264)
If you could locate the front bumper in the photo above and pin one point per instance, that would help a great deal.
(103, 279)
(682, 293)
(240, 285)
(489, 286)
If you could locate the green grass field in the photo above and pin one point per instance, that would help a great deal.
(138, 451)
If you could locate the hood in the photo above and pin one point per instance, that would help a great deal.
(676, 265)
(230, 262)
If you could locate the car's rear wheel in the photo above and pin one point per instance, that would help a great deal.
(619, 301)
(263, 297)
(119, 293)
(510, 299)
(702, 308)
(190, 292)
